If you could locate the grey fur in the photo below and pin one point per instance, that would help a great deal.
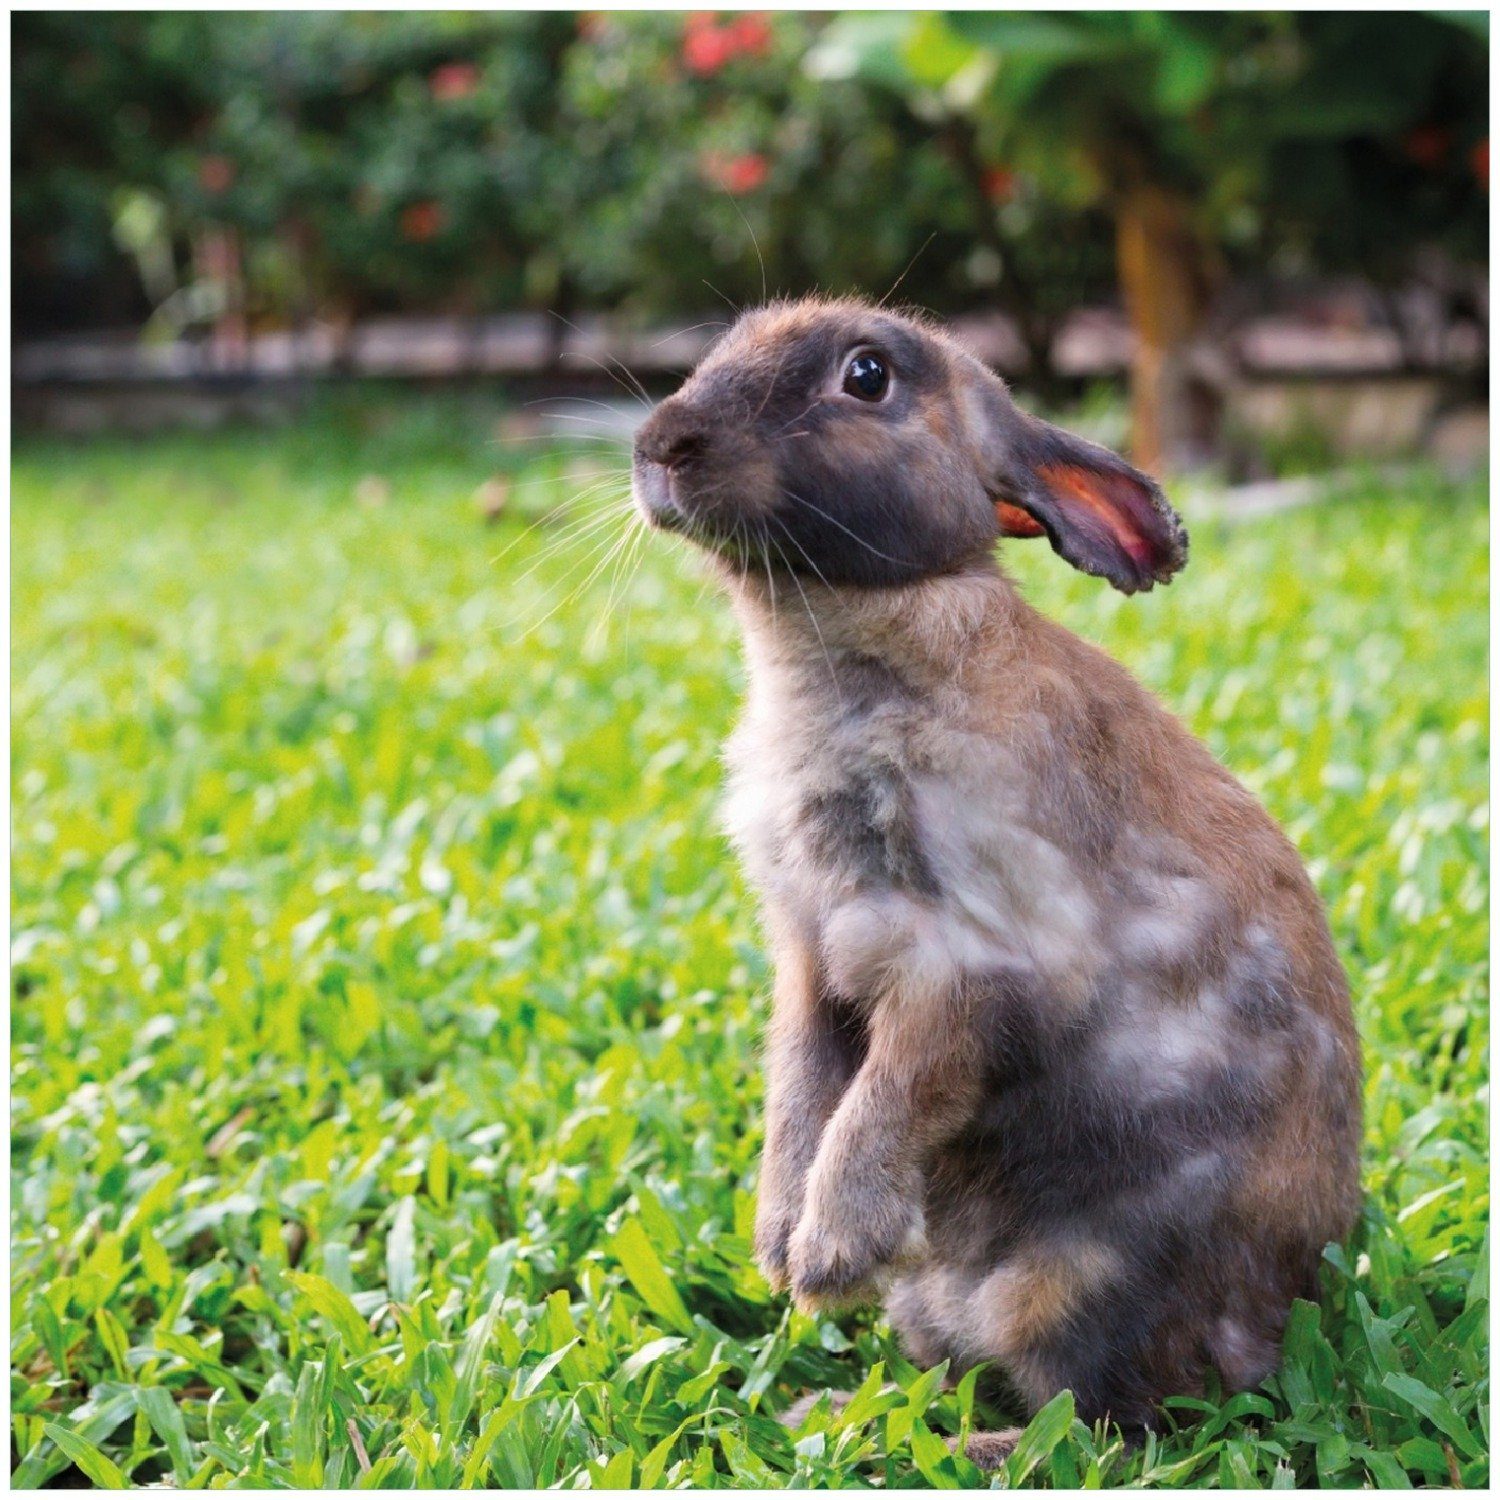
(1061, 1065)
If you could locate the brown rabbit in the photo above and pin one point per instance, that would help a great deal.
(1062, 1064)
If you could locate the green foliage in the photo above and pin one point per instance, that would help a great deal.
(477, 161)
(386, 1002)
(1352, 137)
(470, 161)
(364, 160)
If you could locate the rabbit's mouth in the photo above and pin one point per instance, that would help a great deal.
(737, 541)
(709, 511)
(652, 486)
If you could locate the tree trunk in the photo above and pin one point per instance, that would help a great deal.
(1160, 262)
(564, 304)
(221, 262)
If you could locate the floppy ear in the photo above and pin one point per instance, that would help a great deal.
(1102, 515)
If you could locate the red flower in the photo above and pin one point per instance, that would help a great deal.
(736, 174)
(707, 46)
(590, 23)
(705, 49)
(999, 184)
(422, 221)
(751, 33)
(455, 80)
(1428, 145)
(215, 174)
(1479, 160)
(746, 173)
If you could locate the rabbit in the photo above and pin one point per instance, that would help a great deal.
(1061, 1065)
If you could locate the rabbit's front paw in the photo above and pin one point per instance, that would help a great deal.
(840, 1260)
(774, 1222)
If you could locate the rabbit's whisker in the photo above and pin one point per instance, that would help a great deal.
(813, 405)
(833, 677)
(594, 478)
(560, 442)
(764, 297)
(766, 543)
(817, 571)
(639, 391)
(682, 332)
(607, 549)
(573, 532)
(634, 528)
(574, 528)
(733, 306)
(577, 400)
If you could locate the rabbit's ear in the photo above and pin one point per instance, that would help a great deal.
(1102, 515)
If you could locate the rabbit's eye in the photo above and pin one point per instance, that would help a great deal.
(867, 377)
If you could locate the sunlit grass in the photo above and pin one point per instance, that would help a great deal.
(386, 1003)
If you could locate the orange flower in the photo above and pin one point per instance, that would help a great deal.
(455, 80)
(1428, 145)
(216, 174)
(999, 184)
(1479, 160)
(422, 221)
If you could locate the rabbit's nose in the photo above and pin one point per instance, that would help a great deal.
(671, 436)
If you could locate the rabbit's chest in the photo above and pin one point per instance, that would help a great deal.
(888, 839)
(827, 811)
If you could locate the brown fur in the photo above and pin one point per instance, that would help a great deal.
(1062, 1063)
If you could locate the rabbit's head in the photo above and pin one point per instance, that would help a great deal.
(858, 446)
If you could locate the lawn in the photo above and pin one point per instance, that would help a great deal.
(386, 1003)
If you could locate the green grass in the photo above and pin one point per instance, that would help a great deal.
(386, 1002)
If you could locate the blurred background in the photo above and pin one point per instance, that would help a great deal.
(385, 1005)
(1259, 239)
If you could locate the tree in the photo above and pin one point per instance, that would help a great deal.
(1192, 131)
